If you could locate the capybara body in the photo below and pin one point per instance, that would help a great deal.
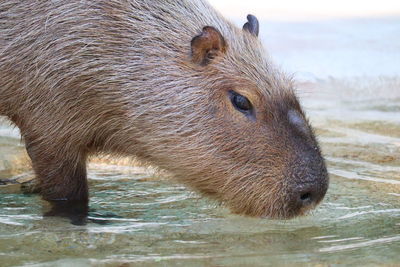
(169, 82)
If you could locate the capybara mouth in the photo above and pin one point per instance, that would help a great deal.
(277, 212)
(281, 214)
(300, 212)
(284, 203)
(287, 214)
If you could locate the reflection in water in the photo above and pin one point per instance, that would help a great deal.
(76, 211)
(136, 217)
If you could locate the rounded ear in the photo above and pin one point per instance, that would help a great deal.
(207, 45)
(252, 25)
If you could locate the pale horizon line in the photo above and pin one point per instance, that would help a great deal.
(308, 9)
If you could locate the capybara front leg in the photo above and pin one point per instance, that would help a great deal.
(61, 175)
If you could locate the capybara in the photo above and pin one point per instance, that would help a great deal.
(169, 82)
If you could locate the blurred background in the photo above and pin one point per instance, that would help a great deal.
(326, 38)
(289, 10)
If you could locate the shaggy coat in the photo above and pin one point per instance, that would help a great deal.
(154, 79)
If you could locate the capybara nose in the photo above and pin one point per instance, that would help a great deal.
(309, 195)
(306, 198)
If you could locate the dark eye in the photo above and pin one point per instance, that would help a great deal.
(240, 102)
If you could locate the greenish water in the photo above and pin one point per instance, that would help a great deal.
(138, 219)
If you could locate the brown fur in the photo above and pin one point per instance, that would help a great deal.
(121, 77)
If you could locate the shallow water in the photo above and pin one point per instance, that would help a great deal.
(140, 219)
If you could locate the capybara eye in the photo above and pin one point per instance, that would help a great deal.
(240, 102)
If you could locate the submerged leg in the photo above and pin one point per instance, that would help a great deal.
(75, 211)
(61, 175)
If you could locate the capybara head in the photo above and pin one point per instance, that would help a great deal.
(234, 129)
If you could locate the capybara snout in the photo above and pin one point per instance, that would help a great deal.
(309, 183)
(306, 171)
(171, 83)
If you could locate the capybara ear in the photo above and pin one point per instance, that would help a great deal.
(207, 45)
(252, 25)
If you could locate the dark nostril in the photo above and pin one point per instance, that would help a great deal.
(305, 196)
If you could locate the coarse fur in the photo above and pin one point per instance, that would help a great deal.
(81, 77)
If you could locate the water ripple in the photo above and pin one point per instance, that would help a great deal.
(374, 242)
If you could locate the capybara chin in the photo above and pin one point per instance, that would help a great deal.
(169, 82)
